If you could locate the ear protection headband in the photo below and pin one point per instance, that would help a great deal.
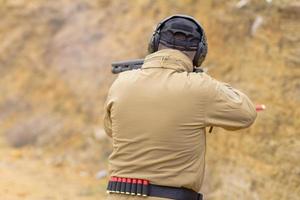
(202, 46)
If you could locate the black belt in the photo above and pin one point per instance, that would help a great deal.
(142, 187)
(173, 193)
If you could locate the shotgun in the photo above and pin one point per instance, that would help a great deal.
(122, 66)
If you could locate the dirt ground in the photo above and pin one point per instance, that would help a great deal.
(29, 174)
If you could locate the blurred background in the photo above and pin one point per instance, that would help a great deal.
(55, 73)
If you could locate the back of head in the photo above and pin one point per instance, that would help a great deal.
(183, 33)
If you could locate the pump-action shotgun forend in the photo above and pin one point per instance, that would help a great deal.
(122, 66)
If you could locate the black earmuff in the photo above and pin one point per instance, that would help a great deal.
(202, 46)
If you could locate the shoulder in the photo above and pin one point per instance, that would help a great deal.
(123, 79)
(127, 75)
(203, 80)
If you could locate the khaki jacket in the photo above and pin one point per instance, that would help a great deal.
(157, 117)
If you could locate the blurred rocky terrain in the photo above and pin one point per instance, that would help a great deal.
(55, 72)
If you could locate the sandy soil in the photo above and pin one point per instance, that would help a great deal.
(28, 175)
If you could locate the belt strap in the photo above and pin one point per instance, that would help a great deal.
(141, 187)
(173, 193)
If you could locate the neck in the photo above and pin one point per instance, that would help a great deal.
(190, 54)
(169, 59)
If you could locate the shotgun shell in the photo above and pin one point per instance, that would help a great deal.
(133, 187)
(139, 187)
(123, 185)
(128, 186)
(113, 184)
(145, 188)
(109, 186)
(118, 187)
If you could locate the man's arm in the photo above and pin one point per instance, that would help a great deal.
(107, 119)
(229, 108)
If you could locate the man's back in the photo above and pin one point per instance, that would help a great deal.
(157, 118)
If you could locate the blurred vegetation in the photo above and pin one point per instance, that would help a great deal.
(55, 72)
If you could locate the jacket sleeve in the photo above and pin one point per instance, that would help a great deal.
(228, 107)
(107, 117)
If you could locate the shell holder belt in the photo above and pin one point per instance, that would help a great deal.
(142, 187)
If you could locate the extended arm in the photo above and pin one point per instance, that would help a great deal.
(229, 108)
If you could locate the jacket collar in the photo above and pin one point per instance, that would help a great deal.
(168, 59)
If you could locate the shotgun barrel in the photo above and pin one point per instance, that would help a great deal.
(122, 66)
(118, 67)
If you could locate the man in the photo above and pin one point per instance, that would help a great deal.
(157, 116)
